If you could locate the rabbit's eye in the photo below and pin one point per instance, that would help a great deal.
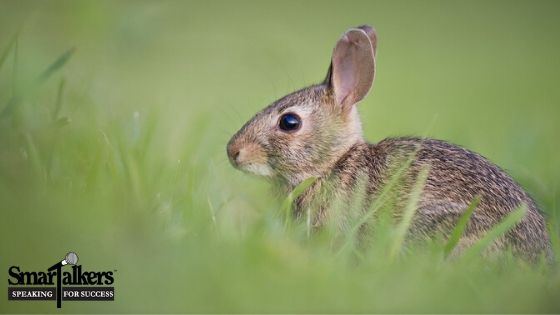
(289, 122)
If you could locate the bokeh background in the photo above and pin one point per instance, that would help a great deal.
(115, 116)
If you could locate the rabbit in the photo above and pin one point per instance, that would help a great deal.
(316, 132)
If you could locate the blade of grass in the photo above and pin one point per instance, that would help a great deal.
(15, 65)
(58, 103)
(212, 213)
(460, 227)
(348, 211)
(378, 203)
(132, 172)
(554, 239)
(292, 196)
(8, 49)
(406, 220)
(34, 156)
(11, 47)
(505, 225)
(56, 65)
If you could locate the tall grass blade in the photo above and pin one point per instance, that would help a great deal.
(387, 189)
(58, 103)
(8, 49)
(34, 156)
(292, 196)
(554, 241)
(212, 213)
(11, 46)
(460, 227)
(381, 199)
(505, 225)
(406, 220)
(56, 65)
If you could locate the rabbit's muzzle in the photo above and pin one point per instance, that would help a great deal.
(248, 157)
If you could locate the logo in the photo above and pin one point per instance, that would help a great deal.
(74, 284)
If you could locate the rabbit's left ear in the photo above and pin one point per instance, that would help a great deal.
(352, 67)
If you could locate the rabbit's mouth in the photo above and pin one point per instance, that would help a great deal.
(257, 169)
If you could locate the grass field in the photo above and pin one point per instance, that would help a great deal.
(114, 117)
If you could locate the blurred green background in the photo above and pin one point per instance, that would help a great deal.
(119, 152)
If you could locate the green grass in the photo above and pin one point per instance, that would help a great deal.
(115, 117)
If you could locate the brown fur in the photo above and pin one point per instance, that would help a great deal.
(330, 146)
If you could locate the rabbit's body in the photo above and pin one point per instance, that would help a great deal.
(316, 132)
(456, 177)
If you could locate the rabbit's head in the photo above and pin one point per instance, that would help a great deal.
(304, 133)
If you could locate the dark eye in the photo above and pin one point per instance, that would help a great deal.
(289, 122)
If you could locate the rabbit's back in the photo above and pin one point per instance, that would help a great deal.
(456, 177)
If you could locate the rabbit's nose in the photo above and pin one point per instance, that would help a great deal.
(233, 154)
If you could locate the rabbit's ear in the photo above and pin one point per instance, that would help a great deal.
(352, 67)
(372, 34)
